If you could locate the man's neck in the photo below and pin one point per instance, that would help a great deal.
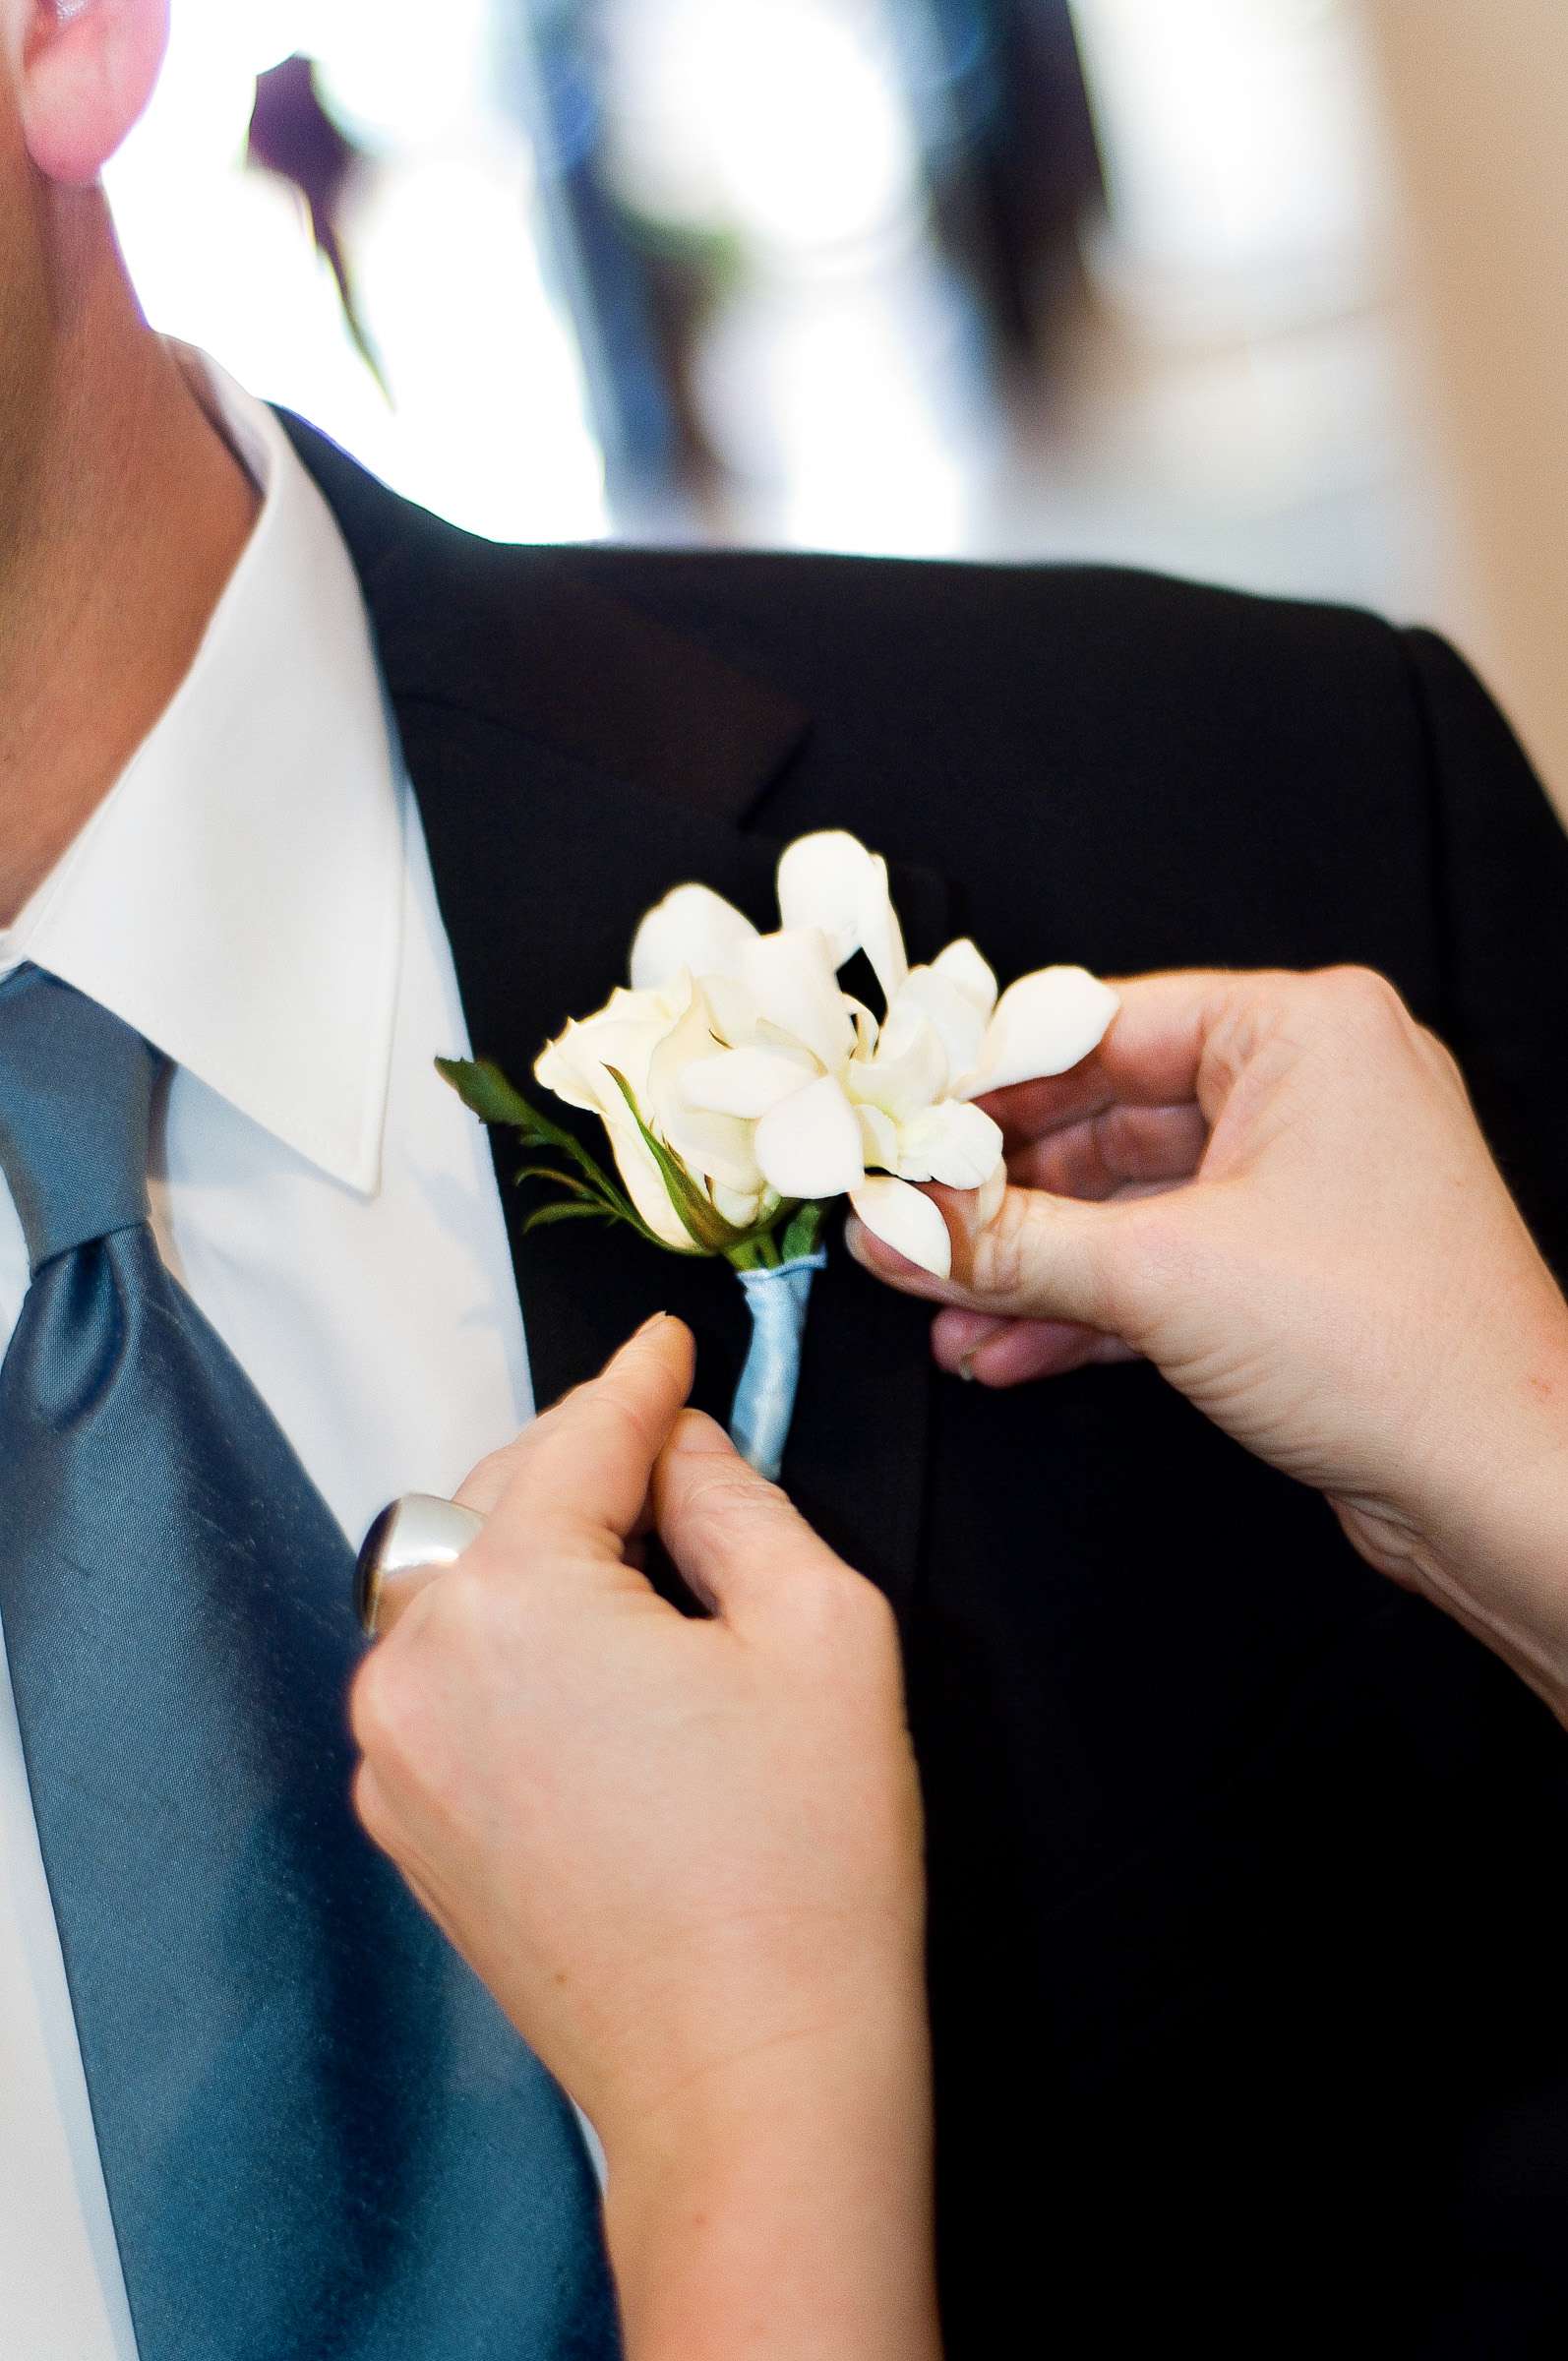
(131, 515)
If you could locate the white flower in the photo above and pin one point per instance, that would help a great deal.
(771, 1085)
(649, 1038)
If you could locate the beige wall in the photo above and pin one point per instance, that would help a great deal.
(1477, 98)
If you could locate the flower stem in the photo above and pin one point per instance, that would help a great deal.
(804, 1232)
(756, 1255)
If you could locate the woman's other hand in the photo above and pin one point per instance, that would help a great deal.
(1272, 1187)
(686, 1857)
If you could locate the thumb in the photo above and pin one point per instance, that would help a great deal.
(1040, 1257)
(579, 1476)
(733, 1535)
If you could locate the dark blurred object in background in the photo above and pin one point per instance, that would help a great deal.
(1008, 139)
(636, 300)
(292, 134)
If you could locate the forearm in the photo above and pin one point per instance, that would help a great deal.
(789, 2220)
(1476, 1514)
(1499, 1564)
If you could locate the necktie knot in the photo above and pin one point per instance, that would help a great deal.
(76, 1103)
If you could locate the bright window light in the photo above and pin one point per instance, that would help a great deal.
(487, 422)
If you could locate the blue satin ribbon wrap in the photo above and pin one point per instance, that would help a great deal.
(765, 1399)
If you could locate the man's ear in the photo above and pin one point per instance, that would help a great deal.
(87, 70)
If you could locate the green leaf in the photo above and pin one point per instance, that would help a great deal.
(577, 1188)
(575, 1209)
(703, 1223)
(486, 1092)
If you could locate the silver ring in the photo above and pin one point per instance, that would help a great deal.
(410, 1536)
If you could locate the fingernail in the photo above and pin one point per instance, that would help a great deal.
(966, 1369)
(648, 1324)
(696, 1432)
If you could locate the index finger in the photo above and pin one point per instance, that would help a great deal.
(580, 1474)
(740, 1542)
(1152, 1055)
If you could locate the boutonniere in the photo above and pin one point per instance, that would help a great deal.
(744, 1091)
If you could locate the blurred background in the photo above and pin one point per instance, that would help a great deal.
(1268, 292)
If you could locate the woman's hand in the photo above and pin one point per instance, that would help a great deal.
(1272, 1187)
(686, 1857)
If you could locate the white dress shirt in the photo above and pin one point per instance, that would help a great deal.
(255, 898)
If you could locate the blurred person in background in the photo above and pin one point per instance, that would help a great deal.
(1239, 1930)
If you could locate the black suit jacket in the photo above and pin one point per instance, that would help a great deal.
(1246, 1954)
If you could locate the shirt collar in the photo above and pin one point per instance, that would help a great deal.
(238, 896)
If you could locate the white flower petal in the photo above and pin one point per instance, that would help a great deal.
(747, 1082)
(824, 881)
(791, 977)
(883, 938)
(713, 1146)
(1043, 1024)
(963, 967)
(639, 1169)
(909, 1072)
(831, 881)
(691, 928)
(560, 1070)
(808, 1144)
(905, 1220)
(688, 1034)
(735, 1014)
(955, 1143)
(879, 1137)
(741, 1208)
(625, 1034)
(867, 1027)
(663, 1003)
(955, 1016)
(717, 1149)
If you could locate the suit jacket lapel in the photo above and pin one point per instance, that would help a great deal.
(573, 758)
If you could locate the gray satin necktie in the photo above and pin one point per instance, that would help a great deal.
(318, 2137)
